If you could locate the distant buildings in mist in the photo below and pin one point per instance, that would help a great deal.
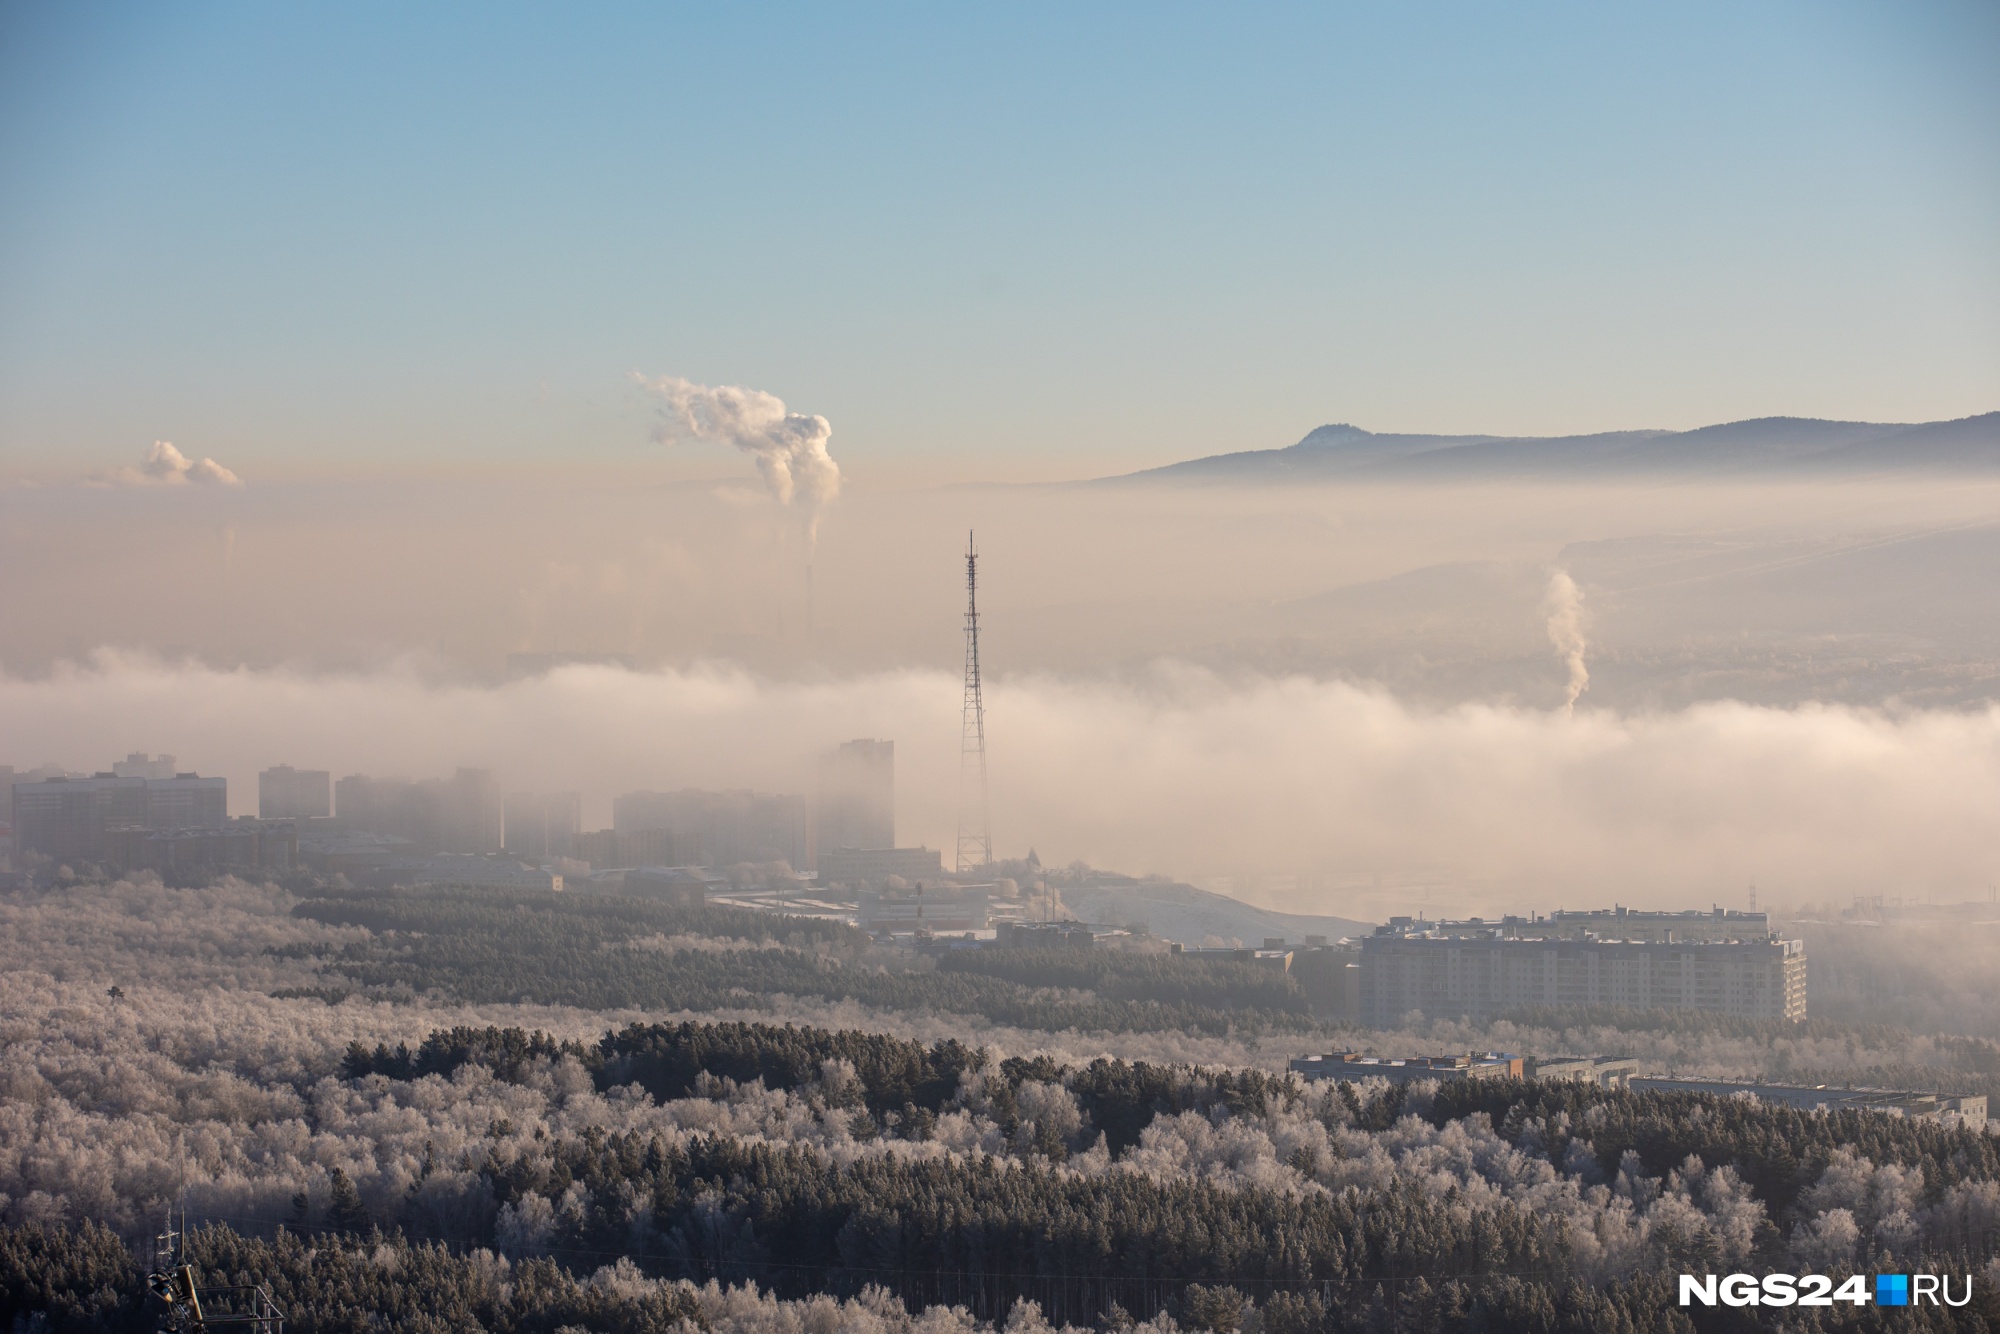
(144, 813)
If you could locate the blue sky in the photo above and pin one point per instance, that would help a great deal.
(1017, 241)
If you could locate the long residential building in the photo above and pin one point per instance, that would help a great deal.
(68, 819)
(1404, 969)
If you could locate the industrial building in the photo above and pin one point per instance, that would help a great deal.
(1409, 966)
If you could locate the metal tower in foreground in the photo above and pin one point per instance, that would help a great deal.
(975, 843)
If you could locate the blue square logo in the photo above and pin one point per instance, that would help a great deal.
(1892, 1289)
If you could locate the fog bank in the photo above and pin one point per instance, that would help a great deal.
(1307, 794)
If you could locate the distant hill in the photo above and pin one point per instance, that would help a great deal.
(1766, 445)
(1194, 916)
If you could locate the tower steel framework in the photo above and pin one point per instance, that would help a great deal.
(975, 842)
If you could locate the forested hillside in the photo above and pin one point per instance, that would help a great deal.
(376, 1143)
(607, 953)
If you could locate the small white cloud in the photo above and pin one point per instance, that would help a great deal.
(167, 466)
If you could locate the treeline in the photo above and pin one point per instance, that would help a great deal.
(890, 1075)
(601, 916)
(988, 1232)
(1174, 979)
(1779, 1150)
(82, 1279)
(1509, 1194)
(566, 950)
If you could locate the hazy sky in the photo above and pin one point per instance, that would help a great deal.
(1022, 241)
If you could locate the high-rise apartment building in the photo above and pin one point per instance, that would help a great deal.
(543, 824)
(715, 828)
(67, 819)
(1405, 967)
(141, 765)
(857, 797)
(462, 813)
(472, 812)
(285, 793)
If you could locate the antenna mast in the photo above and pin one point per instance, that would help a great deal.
(975, 844)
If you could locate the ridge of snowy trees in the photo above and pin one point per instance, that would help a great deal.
(891, 1168)
(604, 952)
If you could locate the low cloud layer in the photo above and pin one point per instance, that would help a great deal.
(1355, 790)
(167, 466)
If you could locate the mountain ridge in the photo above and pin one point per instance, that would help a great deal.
(1757, 445)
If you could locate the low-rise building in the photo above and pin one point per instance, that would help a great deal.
(1278, 959)
(944, 907)
(352, 854)
(1825, 1097)
(677, 886)
(1353, 1067)
(875, 867)
(1603, 1071)
(241, 844)
(1043, 936)
(469, 869)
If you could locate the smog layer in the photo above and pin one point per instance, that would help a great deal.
(1330, 695)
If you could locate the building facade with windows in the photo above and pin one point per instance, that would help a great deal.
(70, 819)
(1440, 975)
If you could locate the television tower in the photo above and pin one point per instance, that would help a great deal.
(975, 843)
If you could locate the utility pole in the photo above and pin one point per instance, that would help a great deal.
(975, 842)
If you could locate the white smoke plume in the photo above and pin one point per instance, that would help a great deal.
(789, 447)
(167, 466)
(1564, 605)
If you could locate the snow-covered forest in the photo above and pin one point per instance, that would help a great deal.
(353, 1109)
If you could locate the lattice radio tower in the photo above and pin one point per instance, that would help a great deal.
(975, 843)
